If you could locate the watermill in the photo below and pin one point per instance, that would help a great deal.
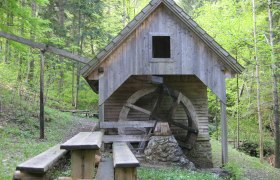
(162, 104)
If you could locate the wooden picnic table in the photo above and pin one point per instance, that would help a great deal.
(83, 147)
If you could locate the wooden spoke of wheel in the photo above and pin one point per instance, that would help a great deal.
(191, 117)
(178, 99)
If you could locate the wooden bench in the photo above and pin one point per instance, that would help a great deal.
(83, 147)
(122, 167)
(36, 167)
(125, 163)
(144, 126)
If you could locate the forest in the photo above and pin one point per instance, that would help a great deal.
(248, 29)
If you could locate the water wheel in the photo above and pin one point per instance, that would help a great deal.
(150, 103)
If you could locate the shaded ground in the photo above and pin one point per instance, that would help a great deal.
(80, 125)
(248, 167)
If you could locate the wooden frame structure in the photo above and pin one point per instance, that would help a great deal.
(194, 55)
(197, 59)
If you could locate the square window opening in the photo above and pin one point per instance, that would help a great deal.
(161, 47)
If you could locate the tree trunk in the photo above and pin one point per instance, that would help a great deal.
(73, 85)
(7, 51)
(77, 86)
(258, 84)
(1, 105)
(7, 44)
(42, 104)
(275, 90)
(62, 33)
(237, 112)
(19, 76)
(31, 64)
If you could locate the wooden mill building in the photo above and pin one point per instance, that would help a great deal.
(159, 68)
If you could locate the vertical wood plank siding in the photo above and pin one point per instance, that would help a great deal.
(189, 56)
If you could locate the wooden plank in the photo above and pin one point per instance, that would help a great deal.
(126, 173)
(105, 170)
(82, 164)
(127, 124)
(84, 140)
(42, 162)
(124, 138)
(46, 47)
(123, 157)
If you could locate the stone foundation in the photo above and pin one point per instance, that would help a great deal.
(200, 154)
(165, 149)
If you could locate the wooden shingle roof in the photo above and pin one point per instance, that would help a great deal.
(101, 56)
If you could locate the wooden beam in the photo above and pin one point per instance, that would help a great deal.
(124, 138)
(224, 134)
(45, 47)
(127, 124)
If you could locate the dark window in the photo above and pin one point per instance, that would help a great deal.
(161, 47)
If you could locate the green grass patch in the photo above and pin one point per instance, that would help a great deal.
(20, 137)
(172, 173)
(243, 166)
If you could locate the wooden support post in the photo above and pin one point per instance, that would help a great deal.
(126, 173)
(42, 118)
(83, 163)
(224, 133)
(101, 112)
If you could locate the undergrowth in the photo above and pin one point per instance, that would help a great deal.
(242, 166)
(172, 173)
(19, 131)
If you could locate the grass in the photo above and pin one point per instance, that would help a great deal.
(172, 173)
(243, 166)
(20, 142)
(19, 131)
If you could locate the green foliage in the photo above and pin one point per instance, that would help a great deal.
(235, 170)
(19, 130)
(175, 173)
(230, 23)
(82, 27)
(245, 166)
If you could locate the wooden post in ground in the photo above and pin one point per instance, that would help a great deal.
(83, 163)
(42, 109)
(224, 133)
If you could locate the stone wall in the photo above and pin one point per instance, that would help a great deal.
(165, 149)
(200, 154)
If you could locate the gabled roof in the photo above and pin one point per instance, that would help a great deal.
(225, 56)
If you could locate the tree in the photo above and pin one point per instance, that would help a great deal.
(275, 89)
(258, 82)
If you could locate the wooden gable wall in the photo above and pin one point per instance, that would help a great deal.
(189, 56)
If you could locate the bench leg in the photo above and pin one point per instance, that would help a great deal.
(82, 164)
(126, 173)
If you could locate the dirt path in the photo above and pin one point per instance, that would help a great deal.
(81, 125)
